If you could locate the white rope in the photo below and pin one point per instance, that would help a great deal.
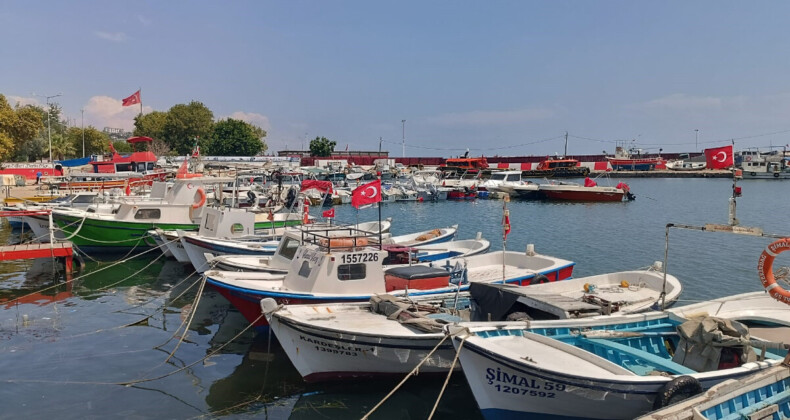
(446, 380)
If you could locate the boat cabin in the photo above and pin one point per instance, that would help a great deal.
(552, 164)
(478, 163)
(140, 162)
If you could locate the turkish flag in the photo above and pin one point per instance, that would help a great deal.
(719, 157)
(134, 99)
(366, 194)
(506, 223)
(328, 213)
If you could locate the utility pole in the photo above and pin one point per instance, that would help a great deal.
(403, 124)
(49, 128)
(82, 112)
(566, 145)
(696, 136)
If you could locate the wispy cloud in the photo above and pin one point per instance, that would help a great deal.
(104, 111)
(489, 118)
(112, 36)
(22, 101)
(144, 20)
(684, 102)
(260, 120)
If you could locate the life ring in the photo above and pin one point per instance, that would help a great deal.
(678, 389)
(345, 242)
(776, 174)
(766, 271)
(202, 200)
(748, 158)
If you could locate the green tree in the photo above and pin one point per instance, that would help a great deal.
(234, 138)
(96, 142)
(62, 148)
(322, 147)
(184, 123)
(8, 120)
(122, 146)
(151, 125)
(260, 134)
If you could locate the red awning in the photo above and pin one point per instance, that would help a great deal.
(323, 186)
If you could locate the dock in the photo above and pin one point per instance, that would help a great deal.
(42, 250)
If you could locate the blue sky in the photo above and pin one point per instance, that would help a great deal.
(497, 77)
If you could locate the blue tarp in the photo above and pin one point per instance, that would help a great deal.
(74, 162)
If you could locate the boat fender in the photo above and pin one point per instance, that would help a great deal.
(753, 173)
(202, 201)
(518, 316)
(539, 279)
(766, 271)
(776, 175)
(676, 390)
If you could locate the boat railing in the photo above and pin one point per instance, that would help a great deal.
(340, 238)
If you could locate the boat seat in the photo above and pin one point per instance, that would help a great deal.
(638, 361)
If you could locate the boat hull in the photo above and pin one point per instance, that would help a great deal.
(583, 195)
(247, 300)
(505, 388)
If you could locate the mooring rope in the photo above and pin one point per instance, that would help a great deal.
(446, 380)
(16, 299)
(189, 321)
(414, 371)
(138, 381)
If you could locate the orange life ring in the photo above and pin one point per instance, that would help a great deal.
(202, 201)
(343, 242)
(766, 271)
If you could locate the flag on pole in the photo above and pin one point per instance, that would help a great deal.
(196, 149)
(506, 223)
(132, 100)
(719, 157)
(366, 194)
(328, 213)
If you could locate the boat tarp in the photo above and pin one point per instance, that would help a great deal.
(494, 300)
(74, 162)
(703, 339)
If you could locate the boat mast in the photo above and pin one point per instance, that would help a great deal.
(566, 145)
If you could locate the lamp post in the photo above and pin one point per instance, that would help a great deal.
(403, 151)
(82, 112)
(49, 128)
(696, 136)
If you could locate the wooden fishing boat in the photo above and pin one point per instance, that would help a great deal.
(322, 266)
(568, 191)
(391, 336)
(617, 368)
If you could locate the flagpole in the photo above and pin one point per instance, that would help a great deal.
(505, 228)
(379, 203)
(140, 96)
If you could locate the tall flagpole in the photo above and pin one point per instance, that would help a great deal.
(140, 97)
(379, 203)
(505, 231)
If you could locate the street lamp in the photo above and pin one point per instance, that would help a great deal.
(82, 111)
(49, 128)
(696, 136)
(403, 152)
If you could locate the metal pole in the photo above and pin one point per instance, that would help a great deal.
(82, 111)
(380, 202)
(403, 152)
(696, 136)
(566, 145)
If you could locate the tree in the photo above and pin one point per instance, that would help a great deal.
(8, 120)
(95, 141)
(260, 134)
(322, 147)
(150, 125)
(234, 138)
(62, 148)
(186, 122)
(122, 146)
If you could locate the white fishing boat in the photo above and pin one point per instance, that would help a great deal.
(503, 181)
(528, 191)
(398, 255)
(611, 368)
(685, 165)
(327, 268)
(763, 395)
(428, 237)
(389, 336)
(199, 248)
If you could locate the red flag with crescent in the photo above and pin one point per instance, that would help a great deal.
(506, 223)
(134, 99)
(719, 157)
(328, 213)
(366, 194)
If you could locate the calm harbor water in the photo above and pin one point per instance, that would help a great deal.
(65, 351)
